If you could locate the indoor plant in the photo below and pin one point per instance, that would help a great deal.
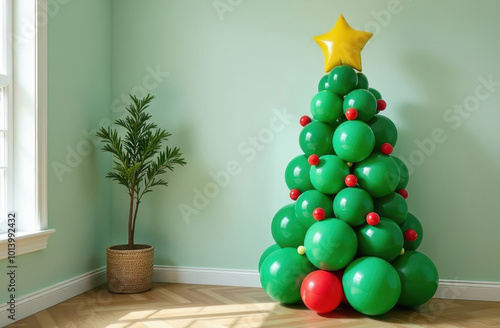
(139, 162)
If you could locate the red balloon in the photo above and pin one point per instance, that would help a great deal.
(321, 291)
(372, 218)
(294, 194)
(403, 193)
(351, 114)
(411, 235)
(386, 148)
(304, 120)
(313, 159)
(381, 104)
(351, 180)
(319, 214)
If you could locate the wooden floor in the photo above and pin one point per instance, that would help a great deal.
(176, 305)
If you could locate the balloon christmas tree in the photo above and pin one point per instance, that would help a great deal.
(348, 237)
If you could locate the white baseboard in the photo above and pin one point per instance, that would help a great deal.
(47, 297)
(468, 290)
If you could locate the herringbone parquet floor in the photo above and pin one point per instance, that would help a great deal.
(177, 305)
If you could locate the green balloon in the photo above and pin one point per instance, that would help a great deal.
(316, 138)
(282, 273)
(297, 174)
(268, 252)
(342, 80)
(326, 106)
(286, 228)
(383, 240)
(384, 131)
(363, 101)
(362, 81)
(309, 201)
(411, 222)
(371, 285)
(375, 93)
(419, 278)
(378, 174)
(351, 205)
(323, 83)
(329, 175)
(330, 244)
(353, 141)
(404, 176)
(392, 206)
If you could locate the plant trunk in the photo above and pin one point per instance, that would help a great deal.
(130, 219)
(135, 216)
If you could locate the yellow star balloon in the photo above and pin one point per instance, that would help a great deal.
(342, 45)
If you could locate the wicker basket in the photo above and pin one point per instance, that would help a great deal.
(130, 270)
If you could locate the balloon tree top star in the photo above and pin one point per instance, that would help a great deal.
(342, 45)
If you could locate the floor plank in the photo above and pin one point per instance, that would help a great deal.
(200, 306)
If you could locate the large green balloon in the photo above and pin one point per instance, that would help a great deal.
(282, 273)
(323, 83)
(297, 174)
(326, 106)
(383, 240)
(308, 202)
(362, 81)
(342, 80)
(286, 228)
(316, 138)
(353, 141)
(363, 101)
(330, 244)
(384, 131)
(411, 222)
(329, 175)
(268, 252)
(378, 174)
(404, 176)
(375, 93)
(371, 285)
(351, 205)
(392, 206)
(419, 278)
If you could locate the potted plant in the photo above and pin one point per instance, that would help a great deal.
(139, 161)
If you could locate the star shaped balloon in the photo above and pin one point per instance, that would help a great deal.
(342, 45)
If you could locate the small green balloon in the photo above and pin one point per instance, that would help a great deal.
(342, 80)
(375, 93)
(308, 202)
(383, 240)
(268, 252)
(286, 228)
(362, 81)
(330, 244)
(297, 174)
(404, 174)
(411, 222)
(419, 278)
(353, 141)
(316, 138)
(323, 83)
(371, 285)
(326, 106)
(363, 101)
(351, 205)
(392, 206)
(384, 131)
(282, 273)
(378, 174)
(329, 175)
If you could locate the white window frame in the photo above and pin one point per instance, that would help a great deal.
(29, 98)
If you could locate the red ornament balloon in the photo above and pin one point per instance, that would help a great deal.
(313, 160)
(372, 218)
(411, 235)
(351, 114)
(304, 120)
(403, 193)
(351, 180)
(321, 291)
(319, 214)
(386, 148)
(381, 104)
(294, 194)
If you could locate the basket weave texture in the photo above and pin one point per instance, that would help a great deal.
(130, 271)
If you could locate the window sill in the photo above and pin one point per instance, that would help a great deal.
(26, 242)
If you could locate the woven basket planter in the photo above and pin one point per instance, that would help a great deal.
(130, 270)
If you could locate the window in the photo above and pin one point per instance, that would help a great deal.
(23, 98)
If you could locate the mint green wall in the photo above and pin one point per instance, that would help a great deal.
(79, 89)
(227, 75)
